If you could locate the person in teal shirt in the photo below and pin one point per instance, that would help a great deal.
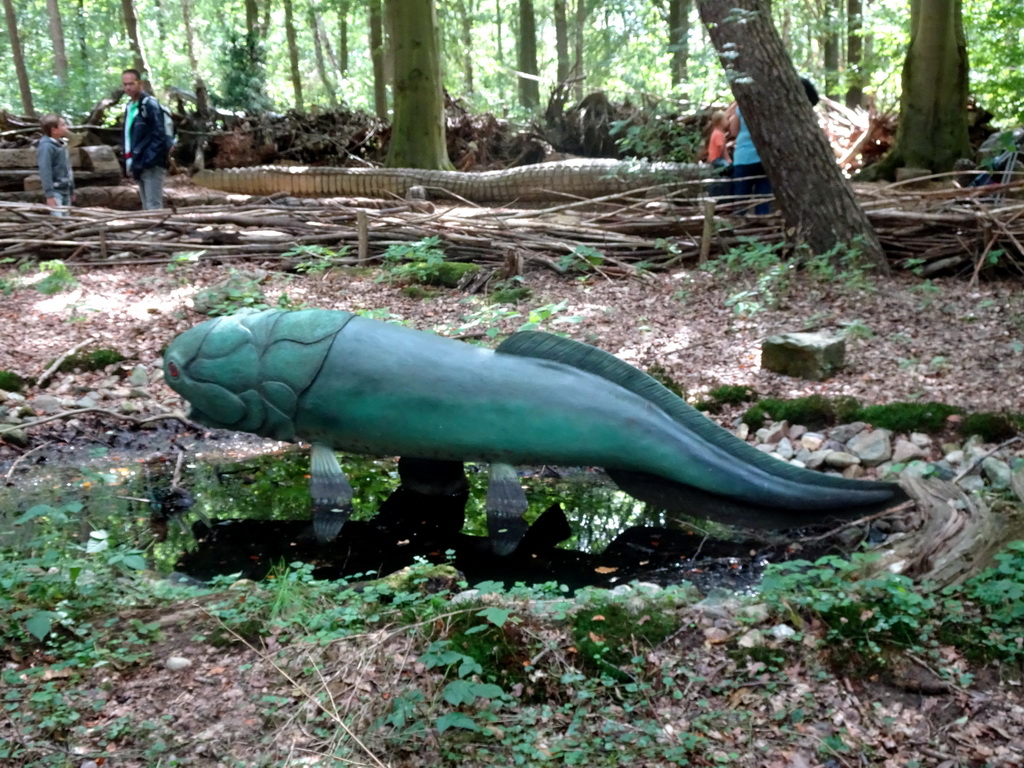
(146, 146)
(749, 179)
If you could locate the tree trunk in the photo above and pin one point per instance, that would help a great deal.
(293, 54)
(526, 47)
(131, 25)
(60, 57)
(816, 201)
(318, 53)
(932, 131)
(19, 59)
(343, 6)
(561, 40)
(325, 39)
(466, 27)
(202, 98)
(380, 85)
(855, 53)
(830, 48)
(417, 131)
(577, 67)
(81, 35)
(678, 38)
(252, 16)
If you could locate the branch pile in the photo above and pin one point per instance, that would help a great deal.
(946, 230)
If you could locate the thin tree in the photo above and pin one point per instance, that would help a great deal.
(579, 22)
(343, 6)
(202, 98)
(417, 131)
(854, 53)
(131, 26)
(318, 53)
(466, 12)
(293, 54)
(678, 38)
(932, 132)
(60, 57)
(19, 59)
(816, 201)
(526, 60)
(380, 85)
(562, 40)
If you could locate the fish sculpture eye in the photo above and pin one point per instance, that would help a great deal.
(172, 369)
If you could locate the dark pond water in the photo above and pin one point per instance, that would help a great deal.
(218, 511)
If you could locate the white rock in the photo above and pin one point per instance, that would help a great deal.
(840, 460)
(921, 440)
(782, 632)
(752, 639)
(176, 663)
(812, 441)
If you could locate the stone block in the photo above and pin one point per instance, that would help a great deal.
(99, 159)
(813, 356)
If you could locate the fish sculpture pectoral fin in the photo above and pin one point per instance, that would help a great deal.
(506, 503)
(331, 491)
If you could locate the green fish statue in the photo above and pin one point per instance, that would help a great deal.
(342, 382)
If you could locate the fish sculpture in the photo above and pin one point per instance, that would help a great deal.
(342, 382)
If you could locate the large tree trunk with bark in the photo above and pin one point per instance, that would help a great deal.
(417, 131)
(816, 201)
(19, 59)
(529, 88)
(932, 131)
(318, 52)
(60, 57)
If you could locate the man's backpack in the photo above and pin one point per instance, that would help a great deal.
(170, 131)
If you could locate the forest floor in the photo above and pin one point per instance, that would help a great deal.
(939, 340)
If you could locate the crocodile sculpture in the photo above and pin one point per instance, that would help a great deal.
(343, 382)
(544, 181)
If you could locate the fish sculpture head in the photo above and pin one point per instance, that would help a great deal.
(248, 371)
(217, 367)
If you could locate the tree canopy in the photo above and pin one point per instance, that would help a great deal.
(625, 47)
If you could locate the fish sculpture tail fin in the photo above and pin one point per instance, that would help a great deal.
(687, 500)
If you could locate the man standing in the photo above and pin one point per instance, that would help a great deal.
(145, 141)
(55, 172)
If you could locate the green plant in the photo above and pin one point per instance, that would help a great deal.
(863, 618)
(57, 278)
(317, 258)
(511, 291)
(12, 382)
(582, 258)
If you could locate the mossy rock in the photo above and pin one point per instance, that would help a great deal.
(448, 274)
(813, 412)
(729, 394)
(12, 382)
(992, 427)
(511, 294)
(91, 360)
(909, 417)
(817, 412)
(604, 634)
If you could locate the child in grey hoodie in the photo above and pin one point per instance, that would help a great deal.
(55, 165)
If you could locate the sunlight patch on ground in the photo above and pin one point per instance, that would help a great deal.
(80, 302)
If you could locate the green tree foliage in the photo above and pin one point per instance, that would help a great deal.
(243, 74)
(625, 42)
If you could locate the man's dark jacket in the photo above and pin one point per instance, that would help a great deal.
(148, 143)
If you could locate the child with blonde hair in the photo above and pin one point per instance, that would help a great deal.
(55, 172)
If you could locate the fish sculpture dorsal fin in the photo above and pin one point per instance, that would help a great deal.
(546, 346)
